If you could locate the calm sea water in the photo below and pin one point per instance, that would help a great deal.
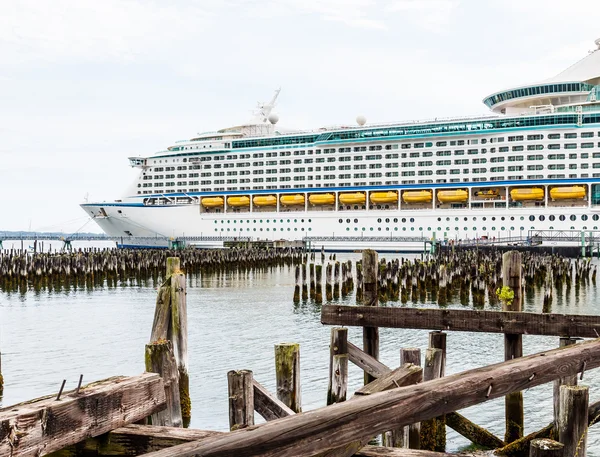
(235, 319)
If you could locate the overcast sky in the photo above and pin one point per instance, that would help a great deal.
(84, 84)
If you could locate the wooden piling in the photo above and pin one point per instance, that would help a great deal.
(338, 366)
(370, 298)
(1, 377)
(513, 344)
(433, 433)
(160, 359)
(318, 284)
(287, 372)
(328, 282)
(297, 285)
(241, 399)
(573, 419)
(567, 381)
(304, 283)
(545, 447)
(413, 434)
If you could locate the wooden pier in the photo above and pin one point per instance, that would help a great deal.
(410, 406)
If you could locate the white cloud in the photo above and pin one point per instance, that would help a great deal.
(432, 15)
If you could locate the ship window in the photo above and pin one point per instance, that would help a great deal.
(584, 218)
(532, 218)
(542, 218)
(562, 217)
(573, 217)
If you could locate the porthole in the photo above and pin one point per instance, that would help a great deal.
(484, 229)
(379, 220)
(439, 219)
(348, 221)
(412, 219)
(429, 229)
(356, 229)
(371, 229)
(532, 218)
(512, 218)
(502, 218)
(404, 229)
(340, 220)
(309, 228)
(522, 218)
(347, 229)
(484, 218)
(379, 229)
(447, 229)
(387, 229)
(395, 229)
(585, 227)
(572, 228)
(522, 228)
(466, 228)
(474, 229)
(542, 217)
(456, 219)
(551, 228)
(474, 219)
(595, 217)
(363, 229)
(502, 228)
(493, 218)
(573, 217)
(466, 218)
(447, 219)
(512, 228)
(421, 229)
(493, 229)
(395, 219)
(355, 221)
(267, 221)
(439, 229)
(562, 217)
(310, 220)
(387, 220)
(412, 229)
(301, 220)
(584, 218)
(551, 217)
(403, 220)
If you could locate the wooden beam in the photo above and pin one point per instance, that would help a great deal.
(463, 320)
(364, 361)
(268, 405)
(42, 426)
(378, 451)
(328, 428)
(406, 375)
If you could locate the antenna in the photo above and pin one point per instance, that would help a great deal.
(264, 109)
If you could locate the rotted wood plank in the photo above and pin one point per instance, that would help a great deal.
(315, 432)
(408, 374)
(268, 405)
(464, 320)
(42, 426)
(379, 451)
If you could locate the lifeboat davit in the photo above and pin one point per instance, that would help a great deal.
(212, 202)
(355, 198)
(322, 199)
(383, 197)
(453, 196)
(265, 200)
(487, 193)
(289, 200)
(567, 193)
(527, 193)
(417, 196)
(237, 202)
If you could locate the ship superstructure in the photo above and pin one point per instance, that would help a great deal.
(533, 164)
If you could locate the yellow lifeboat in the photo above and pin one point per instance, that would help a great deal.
(356, 198)
(383, 197)
(212, 202)
(567, 193)
(487, 193)
(238, 201)
(453, 196)
(527, 193)
(417, 196)
(289, 200)
(265, 200)
(322, 199)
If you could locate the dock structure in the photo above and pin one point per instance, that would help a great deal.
(410, 405)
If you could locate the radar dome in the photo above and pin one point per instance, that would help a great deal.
(273, 118)
(361, 120)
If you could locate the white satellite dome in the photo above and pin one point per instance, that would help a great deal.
(361, 120)
(273, 118)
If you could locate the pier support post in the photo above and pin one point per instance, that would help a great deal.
(370, 266)
(573, 419)
(160, 359)
(241, 399)
(287, 372)
(412, 355)
(433, 431)
(338, 366)
(1, 377)
(568, 381)
(513, 344)
(545, 447)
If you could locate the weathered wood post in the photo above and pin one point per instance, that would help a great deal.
(513, 344)
(241, 399)
(412, 355)
(287, 373)
(370, 267)
(328, 282)
(297, 286)
(433, 430)
(545, 447)
(1, 377)
(170, 323)
(318, 281)
(567, 381)
(304, 283)
(338, 366)
(160, 359)
(573, 419)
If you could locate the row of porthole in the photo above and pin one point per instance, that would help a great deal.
(261, 229)
(465, 229)
(562, 217)
(260, 221)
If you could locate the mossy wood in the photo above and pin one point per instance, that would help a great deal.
(370, 297)
(463, 320)
(159, 359)
(433, 430)
(544, 447)
(513, 344)
(474, 433)
(413, 432)
(566, 381)
(287, 374)
(331, 427)
(45, 425)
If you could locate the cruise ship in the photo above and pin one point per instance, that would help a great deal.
(532, 164)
